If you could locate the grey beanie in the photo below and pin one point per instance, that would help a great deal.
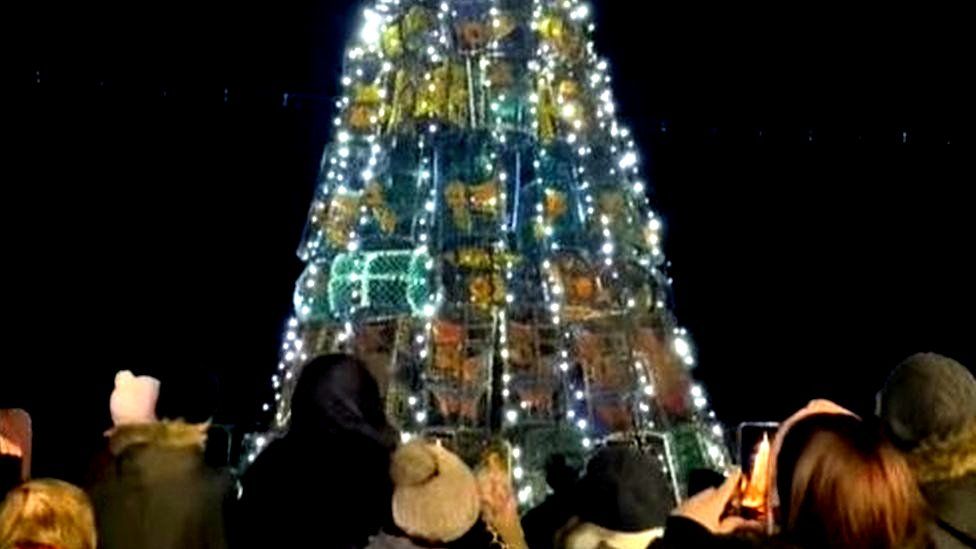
(927, 396)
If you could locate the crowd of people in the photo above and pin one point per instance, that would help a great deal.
(342, 478)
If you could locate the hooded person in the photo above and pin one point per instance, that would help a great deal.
(928, 408)
(326, 482)
(542, 522)
(436, 502)
(155, 491)
(623, 502)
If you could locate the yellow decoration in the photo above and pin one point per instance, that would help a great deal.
(487, 290)
(432, 95)
(457, 98)
(569, 90)
(456, 197)
(340, 219)
(361, 118)
(483, 259)
(392, 41)
(555, 205)
(474, 258)
(375, 199)
(547, 112)
(484, 198)
(404, 99)
(386, 219)
(373, 195)
(564, 37)
(463, 200)
(364, 112)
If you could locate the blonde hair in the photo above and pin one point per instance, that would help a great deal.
(47, 512)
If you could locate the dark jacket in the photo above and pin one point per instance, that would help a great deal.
(330, 474)
(682, 533)
(156, 493)
(478, 537)
(953, 504)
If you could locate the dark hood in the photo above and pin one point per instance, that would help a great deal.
(336, 396)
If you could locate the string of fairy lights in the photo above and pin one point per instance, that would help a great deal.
(345, 173)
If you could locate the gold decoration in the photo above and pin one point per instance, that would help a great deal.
(472, 35)
(570, 90)
(563, 36)
(487, 290)
(457, 97)
(554, 205)
(474, 258)
(581, 288)
(547, 112)
(365, 110)
(456, 197)
(612, 203)
(341, 217)
(386, 218)
(404, 99)
(484, 198)
(500, 75)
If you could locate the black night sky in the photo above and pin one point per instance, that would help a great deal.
(813, 165)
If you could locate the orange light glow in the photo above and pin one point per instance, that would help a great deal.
(754, 496)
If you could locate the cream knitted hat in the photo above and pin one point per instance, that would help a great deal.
(435, 494)
(134, 399)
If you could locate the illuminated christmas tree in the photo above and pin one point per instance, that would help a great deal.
(481, 237)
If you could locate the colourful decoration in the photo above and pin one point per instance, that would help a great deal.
(389, 282)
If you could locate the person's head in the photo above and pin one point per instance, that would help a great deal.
(47, 513)
(133, 400)
(560, 475)
(928, 409)
(435, 495)
(337, 395)
(623, 500)
(842, 485)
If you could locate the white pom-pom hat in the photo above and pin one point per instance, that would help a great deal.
(134, 399)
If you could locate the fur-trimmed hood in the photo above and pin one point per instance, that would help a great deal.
(173, 435)
(946, 458)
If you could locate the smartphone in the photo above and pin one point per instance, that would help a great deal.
(754, 441)
(749, 438)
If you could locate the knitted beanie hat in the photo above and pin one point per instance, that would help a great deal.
(927, 396)
(624, 490)
(435, 494)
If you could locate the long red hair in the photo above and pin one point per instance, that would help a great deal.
(850, 488)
